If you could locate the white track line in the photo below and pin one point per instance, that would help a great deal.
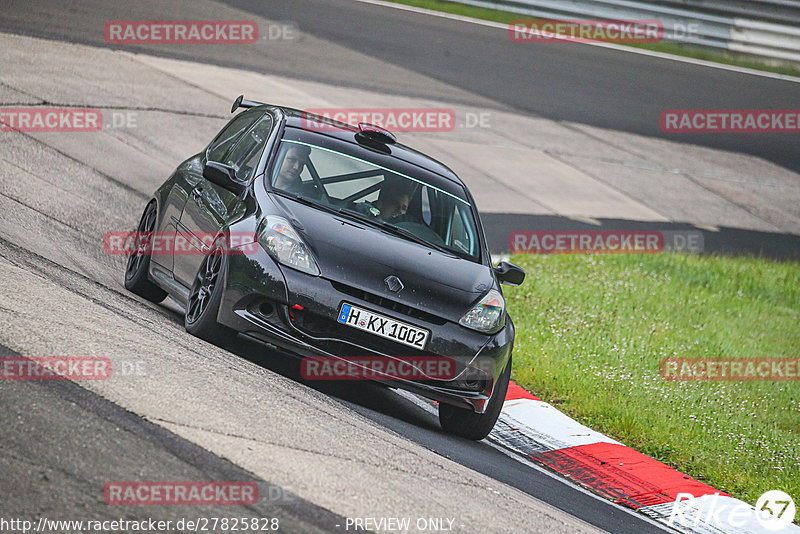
(577, 487)
(428, 407)
(657, 515)
(612, 46)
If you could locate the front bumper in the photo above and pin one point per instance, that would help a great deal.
(258, 303)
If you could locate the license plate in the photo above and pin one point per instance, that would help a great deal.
(383, 326)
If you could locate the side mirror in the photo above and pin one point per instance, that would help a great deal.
(509, 274)
(223, 175)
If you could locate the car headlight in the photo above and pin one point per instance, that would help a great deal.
(282, 242)
(488, 315)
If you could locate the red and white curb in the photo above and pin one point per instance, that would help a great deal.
(537, 431)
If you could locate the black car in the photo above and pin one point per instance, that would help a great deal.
(359, 247)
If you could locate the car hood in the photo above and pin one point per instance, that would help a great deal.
(360, 256)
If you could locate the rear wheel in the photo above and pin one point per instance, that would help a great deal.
(205, 297)
(136, 279)
(466, 423)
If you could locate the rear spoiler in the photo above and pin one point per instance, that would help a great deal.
(240, 102)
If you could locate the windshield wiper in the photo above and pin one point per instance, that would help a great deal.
(392, 229)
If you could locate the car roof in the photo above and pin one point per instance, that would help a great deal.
(296, 118)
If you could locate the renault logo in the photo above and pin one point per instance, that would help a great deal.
(393, 283)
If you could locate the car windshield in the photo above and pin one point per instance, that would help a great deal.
(410, 206)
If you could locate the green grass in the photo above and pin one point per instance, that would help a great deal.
(677, 49)
(592, 331)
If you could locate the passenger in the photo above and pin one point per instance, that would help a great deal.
(393, 199)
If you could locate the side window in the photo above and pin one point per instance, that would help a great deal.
(229, 134)
(246, 152)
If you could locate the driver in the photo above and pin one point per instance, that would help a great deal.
(293, 164)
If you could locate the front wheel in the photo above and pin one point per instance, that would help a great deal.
(205, 297)
(466, 423)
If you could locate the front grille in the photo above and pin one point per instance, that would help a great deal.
(388, 304)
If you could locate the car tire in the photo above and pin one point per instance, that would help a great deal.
(466, 423)
(138, 265)
(205, 297)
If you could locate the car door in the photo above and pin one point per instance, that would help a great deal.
(188, 176)
(209, 205)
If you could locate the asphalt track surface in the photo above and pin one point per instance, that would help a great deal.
(566, 82)
(577, 83)
(61, 441)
